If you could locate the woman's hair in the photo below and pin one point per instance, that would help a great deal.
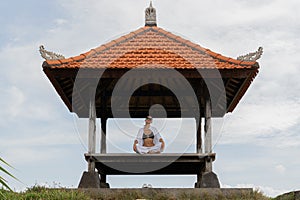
(149, 117)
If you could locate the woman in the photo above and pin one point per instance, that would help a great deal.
(148, 140)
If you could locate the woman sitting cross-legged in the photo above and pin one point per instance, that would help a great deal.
(148, 140)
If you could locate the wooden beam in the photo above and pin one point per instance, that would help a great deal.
(241, 91)
(230, 89)
(236, 81)
(102, 87)
(77, 92)
(223, 101)
(212, 73)
(118, 73)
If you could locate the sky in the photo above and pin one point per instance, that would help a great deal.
(257, 146)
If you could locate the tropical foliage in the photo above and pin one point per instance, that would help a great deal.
(3, 181)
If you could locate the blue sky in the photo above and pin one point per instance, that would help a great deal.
(257, 145)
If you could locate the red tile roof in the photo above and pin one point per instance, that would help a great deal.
(150, 47)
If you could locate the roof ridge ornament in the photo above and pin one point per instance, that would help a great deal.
(150, 16)
(252, 56)
(48, 55)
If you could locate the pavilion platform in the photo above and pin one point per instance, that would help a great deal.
(150, 164)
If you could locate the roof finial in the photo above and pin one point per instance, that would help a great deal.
(48, 55)
(150, 16)
(252, 56)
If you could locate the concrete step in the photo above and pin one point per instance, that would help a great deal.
(171, 193)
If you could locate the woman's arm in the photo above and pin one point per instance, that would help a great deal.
(134, 145)
(162, 144)
(158, 138)
(138, 140)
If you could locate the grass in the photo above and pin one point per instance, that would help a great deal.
(43, 193)
(288, 196)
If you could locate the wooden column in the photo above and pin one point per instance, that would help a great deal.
(103, 183)
(199, 134)
(92, 132)
(199, 91)
(208, 131)
(103, 134)
(103, 123)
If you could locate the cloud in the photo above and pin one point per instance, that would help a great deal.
(34, 122)
(261, 121)
(280, 169)
(60, 22)
(12, 101)
(50, 139)
(28, 155)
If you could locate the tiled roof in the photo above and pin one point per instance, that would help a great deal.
(150, 47)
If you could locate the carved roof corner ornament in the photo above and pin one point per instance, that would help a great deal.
(48, 55)
(252, 56)
(150, 16)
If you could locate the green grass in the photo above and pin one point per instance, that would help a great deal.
(288, 196)
(43, 193)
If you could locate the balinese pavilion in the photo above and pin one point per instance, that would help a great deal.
(150, 68)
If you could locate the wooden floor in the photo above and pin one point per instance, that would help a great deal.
(152, 164)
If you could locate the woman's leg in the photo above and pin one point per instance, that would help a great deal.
(156, 149)
(142, 149)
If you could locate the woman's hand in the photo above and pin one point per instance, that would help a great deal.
(162, 144)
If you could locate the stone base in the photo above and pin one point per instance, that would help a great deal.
(89, 180)
(104, 185)
(208, 180)
(198, 185)
(170, 193)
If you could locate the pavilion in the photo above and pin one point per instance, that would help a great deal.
(128, 76)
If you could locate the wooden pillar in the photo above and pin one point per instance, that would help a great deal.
(103, 123)
(92, 132)
(208, 131)
(103, 183)
(199, 134)
(200, 92)
(103, 179)
(103, 134)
